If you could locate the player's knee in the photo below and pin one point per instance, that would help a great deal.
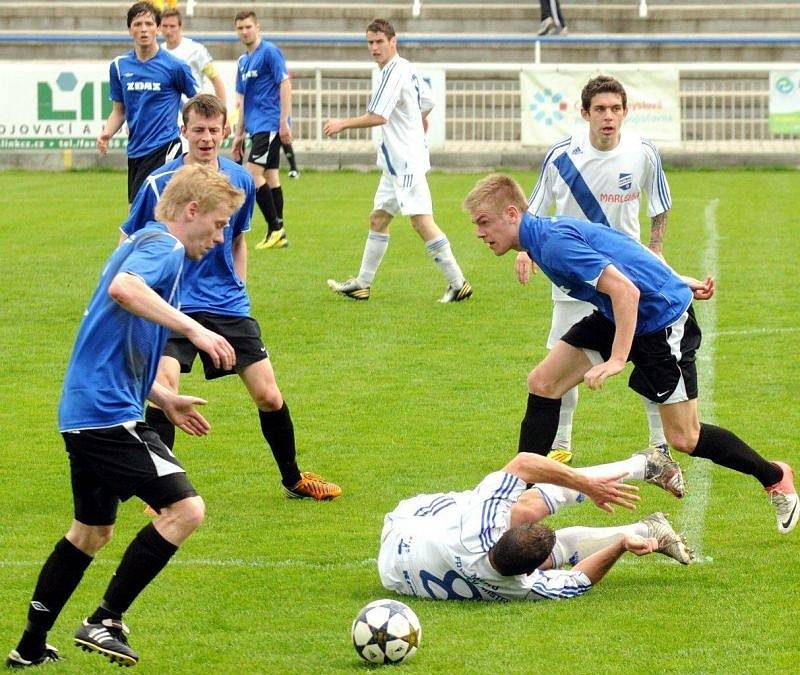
(378, 222)
(541, 385)
(682, 440)
(192, 513)
(269, 399)
(90, 538)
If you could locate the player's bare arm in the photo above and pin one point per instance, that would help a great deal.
(285, 130)
(239, 252)
(136, 297)
(658, 228)
(625, 304)
(180, 409)
(113, 124)
(237, 148)
(603, 491)
(335, 126)
(524, 267)
(598, 564)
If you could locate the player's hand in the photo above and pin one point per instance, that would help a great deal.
(702, 290)
(181, 412)
(605, 492)
(332, 127)
(639, 545)
(425, 124)
(597, 375)
(237, 148)
(524, 266)
(217, 347)
(285, 133)
(102, 143)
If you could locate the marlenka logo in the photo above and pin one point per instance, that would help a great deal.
(548, 107)
(784, 85)
(625, 181)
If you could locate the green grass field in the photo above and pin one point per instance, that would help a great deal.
(401, 395)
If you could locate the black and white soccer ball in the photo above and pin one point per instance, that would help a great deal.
(386, 631)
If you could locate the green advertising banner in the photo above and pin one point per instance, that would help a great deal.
(784, 102)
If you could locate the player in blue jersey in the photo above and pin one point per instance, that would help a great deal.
(643, 315)
(487, 543)
(214, 294)
(264, 92)
(146, 88)
(113, 454)
(599, 174)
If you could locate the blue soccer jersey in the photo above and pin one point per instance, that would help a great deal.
(116, 353)
(210, 284)
(258, 79)
(151, 93)
(573, 254)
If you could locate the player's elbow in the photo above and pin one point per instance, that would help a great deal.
(121, 289)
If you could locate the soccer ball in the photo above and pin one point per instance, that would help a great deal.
(386, 631)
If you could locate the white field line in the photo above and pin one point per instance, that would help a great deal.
(255, 563)
(698, 471)
(755, 331)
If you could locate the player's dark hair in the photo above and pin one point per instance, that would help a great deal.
(143, 8)
(522, 549)
(245, 14)
(207, 106)
(602, 84)
(381, 26)
(172, 12)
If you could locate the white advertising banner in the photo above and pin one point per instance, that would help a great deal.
(551, 104)
(784, 101)
(435, 79)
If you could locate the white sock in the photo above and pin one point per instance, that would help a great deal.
(654, 422)
(573, 544)
(439, 250)
(376, 246)
(569, 402)
(557, 497)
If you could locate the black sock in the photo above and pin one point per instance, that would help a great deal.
(540, 424)
(165, 429)
(144, 558)
(277, 199)
(288, 150)
(725, 448)
(267, 206)
(60, 576)
(278, 430)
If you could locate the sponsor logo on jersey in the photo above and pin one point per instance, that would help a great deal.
(249, 74)
(564, 289)
(576, 151)
(612, 198)
(625, 181)
(144, 86)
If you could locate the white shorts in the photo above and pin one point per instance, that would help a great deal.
(566, 313)
(409, 195)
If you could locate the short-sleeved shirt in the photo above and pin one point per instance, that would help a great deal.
(196, 56)
(400, 96)
(601, 186)
(437, 546)
(151, 93)
(210, 284)
(573, 254)
(116, 353)
(258, 79)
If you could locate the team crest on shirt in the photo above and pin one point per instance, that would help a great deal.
(625, 181)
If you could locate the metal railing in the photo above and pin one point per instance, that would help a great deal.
(724, 107)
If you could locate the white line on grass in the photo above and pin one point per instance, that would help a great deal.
(259, 563)
(698, 474)
(756, 331)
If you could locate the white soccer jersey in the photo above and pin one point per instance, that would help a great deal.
(437, 546)
(400, 96)
(195, 55)
(601, 186)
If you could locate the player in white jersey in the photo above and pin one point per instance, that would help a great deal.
(485, 543)
(190, 52)
(599, 174)
(399, 105)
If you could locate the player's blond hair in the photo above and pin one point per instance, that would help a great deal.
(198, 183)
(495, 192)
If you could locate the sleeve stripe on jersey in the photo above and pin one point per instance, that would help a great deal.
(490, 507)
(438, 504)
(663, 188)
(555, 588)
(547, 158)
(384, 79)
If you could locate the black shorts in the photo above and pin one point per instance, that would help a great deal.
(139, 168)
(111, 465)
(243, 332)
(664, 362)
(265, 149)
